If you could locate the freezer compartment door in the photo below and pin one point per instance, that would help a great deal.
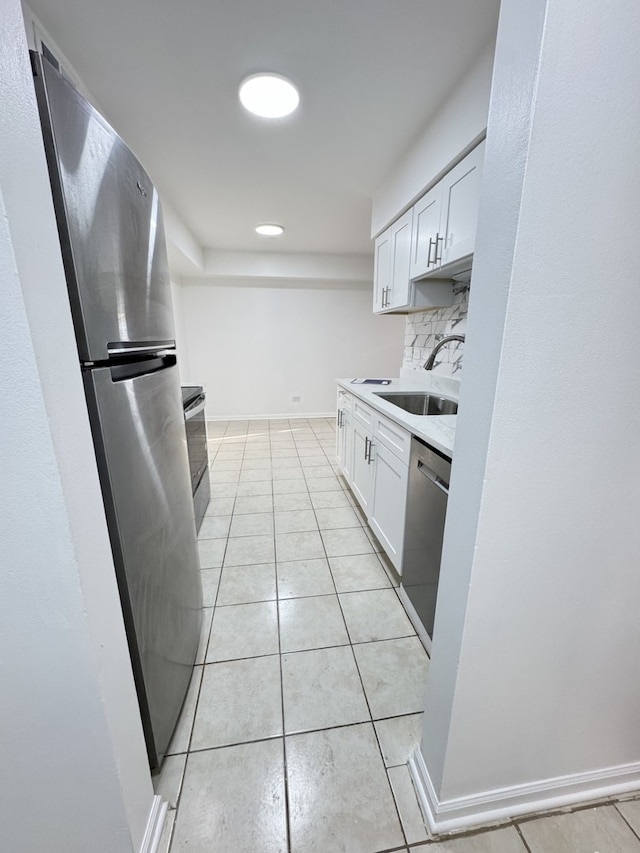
(110, 224)
(140, 440)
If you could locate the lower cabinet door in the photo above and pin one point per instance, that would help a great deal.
(387, 515)
(344, 444)
(362, 466)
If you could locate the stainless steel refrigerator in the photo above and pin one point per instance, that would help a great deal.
(111, 233)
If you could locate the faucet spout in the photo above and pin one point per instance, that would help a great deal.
(428, 365)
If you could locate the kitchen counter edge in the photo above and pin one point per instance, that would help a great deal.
(437, 430)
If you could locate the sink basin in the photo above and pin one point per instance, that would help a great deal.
(420, 403)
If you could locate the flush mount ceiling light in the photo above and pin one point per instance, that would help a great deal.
(269, 95)
(269, 229)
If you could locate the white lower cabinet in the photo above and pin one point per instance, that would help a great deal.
(361, 471)
(389, 503)
(373, 454)
(345, 443)
(344, 433)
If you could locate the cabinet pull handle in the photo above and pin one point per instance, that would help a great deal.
(339, 418)
(369, 453)
(366, 448)
(438, 258)
(431, 243)
(385, 291)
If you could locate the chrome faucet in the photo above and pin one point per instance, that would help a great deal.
(428, 365)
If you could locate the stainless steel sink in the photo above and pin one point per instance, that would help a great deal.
(420, 403)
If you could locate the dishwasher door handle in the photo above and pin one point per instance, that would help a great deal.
(437, 481)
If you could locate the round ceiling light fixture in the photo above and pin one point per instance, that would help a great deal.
(269, 95)
(269, 229)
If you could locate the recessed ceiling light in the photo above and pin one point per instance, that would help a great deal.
(269, 95)
(269, 230)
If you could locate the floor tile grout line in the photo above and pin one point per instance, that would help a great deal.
(366, 699)
(402, 849)
(186, 761)
(522, 838)
(285, 779)
(285, 775)
(296, 597)
(313, 649)
(616, 805)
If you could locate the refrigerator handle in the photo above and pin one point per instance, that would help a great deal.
(141, 367)
(120, 348)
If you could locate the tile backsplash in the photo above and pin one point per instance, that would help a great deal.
(425, 328)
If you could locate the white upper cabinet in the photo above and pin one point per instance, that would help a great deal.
(426, 224)
(382, 270)
(393, 289)
(418, 254)
(400, 261)
(460, 203)
(445, 220)
(391, 269)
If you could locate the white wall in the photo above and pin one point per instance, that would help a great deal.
(75, 774)
(532, 698)
(457, 126)
(182, 346)
(254, 344)
(288, 265)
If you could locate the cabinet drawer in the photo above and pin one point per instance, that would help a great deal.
(344, 400)
(362, 413)
(393, 437)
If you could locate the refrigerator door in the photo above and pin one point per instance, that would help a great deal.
(110, 224)
(140, 441)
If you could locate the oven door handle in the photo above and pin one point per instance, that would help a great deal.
(194, 410)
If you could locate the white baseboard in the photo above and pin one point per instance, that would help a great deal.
(294, 416)
(155, 824)
(504, 804)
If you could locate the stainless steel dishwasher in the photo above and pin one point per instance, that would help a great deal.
(429, 473)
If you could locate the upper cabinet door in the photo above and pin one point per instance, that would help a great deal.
(460, 201)
(382, 271)
(400, 261)
(426, 223)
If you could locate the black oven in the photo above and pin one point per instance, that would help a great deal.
(193, 402)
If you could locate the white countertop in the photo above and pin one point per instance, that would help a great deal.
(437, 430)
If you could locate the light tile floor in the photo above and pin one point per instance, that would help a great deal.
(306, 700)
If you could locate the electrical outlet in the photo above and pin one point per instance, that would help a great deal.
(296, 398)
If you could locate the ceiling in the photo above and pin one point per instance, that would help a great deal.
(370, 73)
